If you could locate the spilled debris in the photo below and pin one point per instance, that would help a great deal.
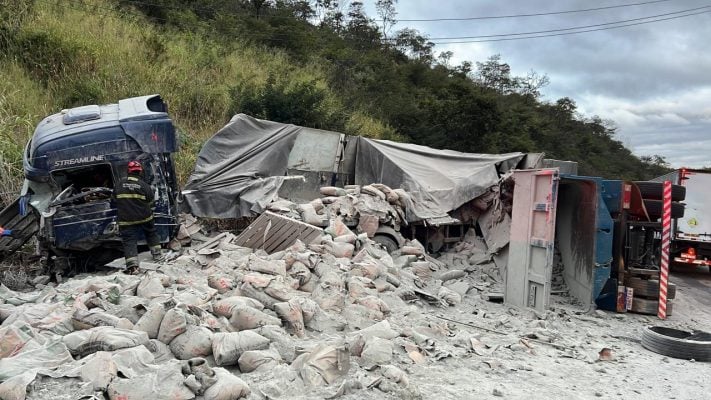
(335, 315)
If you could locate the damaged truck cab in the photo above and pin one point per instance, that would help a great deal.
(71, 165)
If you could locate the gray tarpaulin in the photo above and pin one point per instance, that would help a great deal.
(439, 181)
(241, 168)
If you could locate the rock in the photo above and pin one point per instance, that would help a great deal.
(498, 392)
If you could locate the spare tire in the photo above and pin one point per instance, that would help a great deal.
(654, 190)
(654, 209)
(677, 343)
(649, 287)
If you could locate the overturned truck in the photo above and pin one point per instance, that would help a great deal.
(250, 163)
(71, 164)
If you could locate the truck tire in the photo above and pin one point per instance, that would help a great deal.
(649, 307)
(653, 191)
(677, 343)
(650, 288)
(387, 242)
(654, 209)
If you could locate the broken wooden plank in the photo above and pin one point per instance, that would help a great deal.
(272, 232)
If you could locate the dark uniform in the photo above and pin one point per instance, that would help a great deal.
(134, 203)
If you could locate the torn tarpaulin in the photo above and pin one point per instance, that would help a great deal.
(241, 168)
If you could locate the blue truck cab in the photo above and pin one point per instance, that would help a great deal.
(74, 160)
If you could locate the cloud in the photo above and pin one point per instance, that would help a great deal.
(652, 80)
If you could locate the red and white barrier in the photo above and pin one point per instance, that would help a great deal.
(666, 236)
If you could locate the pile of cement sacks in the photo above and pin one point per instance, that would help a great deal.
(365, 206)
(227, 321)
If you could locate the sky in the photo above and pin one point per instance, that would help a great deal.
(652, 80)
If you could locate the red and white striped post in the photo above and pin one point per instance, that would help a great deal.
(666, 236)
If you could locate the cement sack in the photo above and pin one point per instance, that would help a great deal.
(173, 324)
(254, 359)
(341, 250)
(310, 215)
(330, 293)
(317, 205)
(6, 310)
(279, 290)
(102, 338)
(221, 283)
(195, 342)
(293, 315)
(374, 303)
(15, 388)
(280, 341)
(99, 369)
(162, 383)
(194, 295)
(150, 286)
(300, 272)
(31, 313)
(200, 375)
(332, 191)
(134, 361)
(244, 318)
(323, 364)
(373, 191)
(49, 356)
(224, 306)
(57, 322)
(350, 238)
(14, 338)
(382, 330)
(337, 228)
(359, 317)
(151, 320)
(160, 351)
(228, 347)
(271, 267)
(82, 319)
(376, 352)
(227, 387)
(249, 290)
(449, 296)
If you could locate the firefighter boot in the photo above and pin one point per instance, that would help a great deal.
(131, 265)
(157, 253)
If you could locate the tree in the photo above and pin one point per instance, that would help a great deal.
(386, 12)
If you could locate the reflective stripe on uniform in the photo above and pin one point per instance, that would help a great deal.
(129, 223)
(132, 178)
(131, 196)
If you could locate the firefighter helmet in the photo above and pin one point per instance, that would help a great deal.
(135, 167)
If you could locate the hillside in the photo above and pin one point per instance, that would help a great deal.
(291, 61)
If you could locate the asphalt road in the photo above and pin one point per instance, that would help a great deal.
(694, 282)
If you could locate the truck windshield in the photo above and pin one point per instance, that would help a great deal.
(86, 177)
(697, 215)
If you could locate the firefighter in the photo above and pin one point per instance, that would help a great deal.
(134, 206)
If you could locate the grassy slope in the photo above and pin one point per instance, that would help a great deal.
(64, 56)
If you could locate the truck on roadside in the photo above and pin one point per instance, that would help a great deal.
(691, 234)
(71, 164)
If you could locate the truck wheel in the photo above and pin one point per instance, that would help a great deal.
(654, 209)
(387, 242)
(650, 288)
(677, 343)
(653, 190)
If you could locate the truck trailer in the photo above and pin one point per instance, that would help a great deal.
(691, 235)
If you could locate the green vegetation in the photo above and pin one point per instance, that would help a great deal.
(310, 63)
